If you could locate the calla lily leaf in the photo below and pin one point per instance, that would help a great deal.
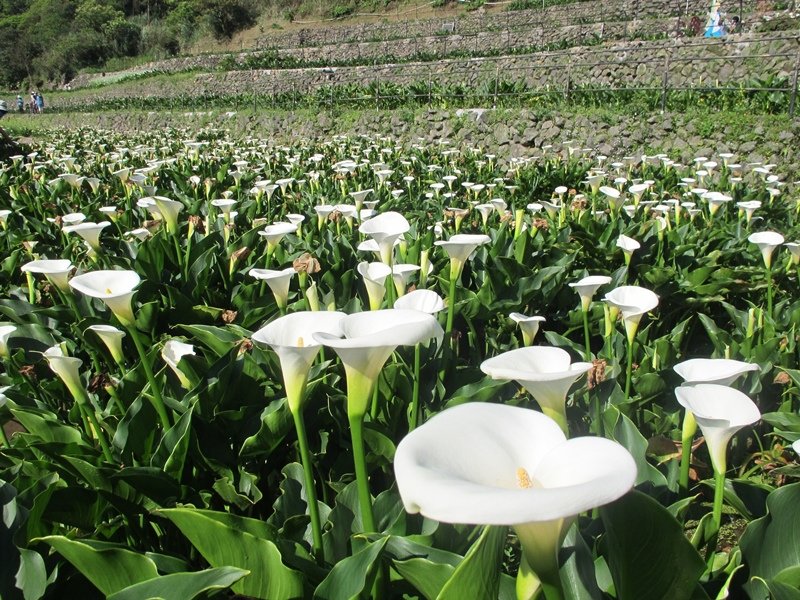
(647, 551)
(182, 586)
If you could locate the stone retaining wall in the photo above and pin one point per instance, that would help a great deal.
(690, 63)
(506, 133)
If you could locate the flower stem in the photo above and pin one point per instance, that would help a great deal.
(586, 336)
(4, 438)
(769, 291)
(451, 301)
(157, 400)
(362, 481)
(629, 369)
(687, 435)
(311, 492)
(414, 417)
(719, 489)
(85, 406)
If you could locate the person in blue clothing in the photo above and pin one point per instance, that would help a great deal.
(39, 103)
(715, 26)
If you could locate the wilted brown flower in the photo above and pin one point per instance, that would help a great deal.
(782, 378)
(28, 371)
(540, 224)
(229, 316)
(306, 263)
(597, 374)
(578, 204)
(197, 223)
(240, 254)
(100, 381)
(245, 346)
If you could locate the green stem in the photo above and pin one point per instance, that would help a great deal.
(31, 288)
(86, 405)
(586, 336)
(311, 492)
(414, 417)
(719, 489)
(362, 481)
(451, 302)
(373, 409)
(629, 369)
(687, 435)
(157, 400)
(769, 291)
(3, 437)
(551, 592)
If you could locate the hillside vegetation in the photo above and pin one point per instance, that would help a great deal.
(49, 41)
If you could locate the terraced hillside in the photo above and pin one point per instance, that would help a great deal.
(627, 55)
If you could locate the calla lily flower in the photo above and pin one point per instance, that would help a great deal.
(426, 301)
(385, 228)
(796, 447)
(614, 197)
(587, 287)
(369, 339)
(528, 325)
(115, 288)
(5, 332)
(374, 275)
(545, 372)
(169, 210)
(112, 338)
(275, 233)
(719, 371)
(493, 464)
(401, 275)
(632, 301)
(90, 232)
(67, 369)
(172, 353)
(292, 339)
(459, 248)
(766, 241)
(56, 271)
(628, 246)
(794, 249)
(278, 282)
(720, 412)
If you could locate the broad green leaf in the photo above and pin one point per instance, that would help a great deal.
(647, 552)
(276, 423)
(621, 429)
(45, 426)
(110, 569)
(170, 455)
(32, 574)
(769, 544)
(225, 540)
(182, 586)
(577, 568)
(350, 577)
(478, 575)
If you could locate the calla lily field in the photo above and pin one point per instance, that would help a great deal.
(365, 368)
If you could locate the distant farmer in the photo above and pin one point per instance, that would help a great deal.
(39, 103)
(33, 102)
(20, 103)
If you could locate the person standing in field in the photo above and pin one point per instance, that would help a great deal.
(39, 103)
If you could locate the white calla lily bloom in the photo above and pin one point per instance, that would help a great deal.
(528, 325)
(385, 229)
(112, 338)
(720, 371)
(374, 276)
(494, 464)
(628, 246)
(5, 333)
(67, 368)
(545, 372)
(426, 301)
(766, 241)
(720, 411)
(56, 271)
(633, 302)
(292, 339)
(460, 247)
(278, 282)
(587, 288)
(369, 338)
(115, 288)
(172, 353)
(90, 232)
